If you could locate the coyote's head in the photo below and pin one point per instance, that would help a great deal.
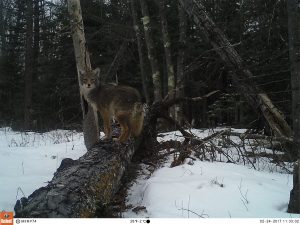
(89, 79)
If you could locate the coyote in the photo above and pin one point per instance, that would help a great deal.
(120, 102)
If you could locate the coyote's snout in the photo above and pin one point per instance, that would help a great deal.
(118, 101)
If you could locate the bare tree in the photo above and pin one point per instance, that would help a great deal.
(28, 65)
(1, 27)
(138, 33)
(180, 63)
(167, 49)
(156, 76)
(36, 32)
(90, 118)
(293, 7)
(167, 44)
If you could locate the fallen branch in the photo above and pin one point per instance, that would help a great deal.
(186, 134)
(258, 136)
(185, 152)
(168, 102)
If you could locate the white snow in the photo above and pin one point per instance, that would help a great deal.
(214, 190)
(28, 160)
(194, 189)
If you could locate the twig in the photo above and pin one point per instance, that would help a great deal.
(202, 215)
(244, 196)
(20, 189)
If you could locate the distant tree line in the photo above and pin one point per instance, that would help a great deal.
(38, 81)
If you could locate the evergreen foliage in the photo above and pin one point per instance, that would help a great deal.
(257, 29)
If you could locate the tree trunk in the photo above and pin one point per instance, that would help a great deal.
(293, 7)
(242, 77)
(180, 83)
(36, 33)
(80, 187)
(90, 118)
(2, 40)
(36, 49)
(136, 27)
(28, 65)
(156, 77)
(167, 45)
(167, 48)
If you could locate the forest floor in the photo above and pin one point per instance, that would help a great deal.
(223, 184)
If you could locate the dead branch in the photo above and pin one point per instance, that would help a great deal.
(258, 136)
(185, 152)
(116, 62)
(168, 102)
(169, 119)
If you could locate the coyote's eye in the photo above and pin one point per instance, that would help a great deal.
(92, 80)
(84, 80)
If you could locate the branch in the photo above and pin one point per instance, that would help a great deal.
(169, 119)
(167, 103)
(116, 62)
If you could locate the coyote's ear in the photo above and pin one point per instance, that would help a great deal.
(81, 72)
(97, 72)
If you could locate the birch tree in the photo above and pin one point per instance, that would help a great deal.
(90, 118)
(139, 39)
(156, 76)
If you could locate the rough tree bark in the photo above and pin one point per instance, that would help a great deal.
(293, 7)
(156, 76)
(138, 33)
(80, 187)
(242, 77)
(90, 118)
(28, 65)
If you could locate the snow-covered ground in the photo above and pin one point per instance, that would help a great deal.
(202, 189)
(29, 160)
(211, 190)
(194, 189)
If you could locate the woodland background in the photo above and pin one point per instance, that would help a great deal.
(38, 79)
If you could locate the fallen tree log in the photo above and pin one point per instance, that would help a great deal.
(80, 187)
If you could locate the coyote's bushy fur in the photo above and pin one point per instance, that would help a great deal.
(114, 101)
